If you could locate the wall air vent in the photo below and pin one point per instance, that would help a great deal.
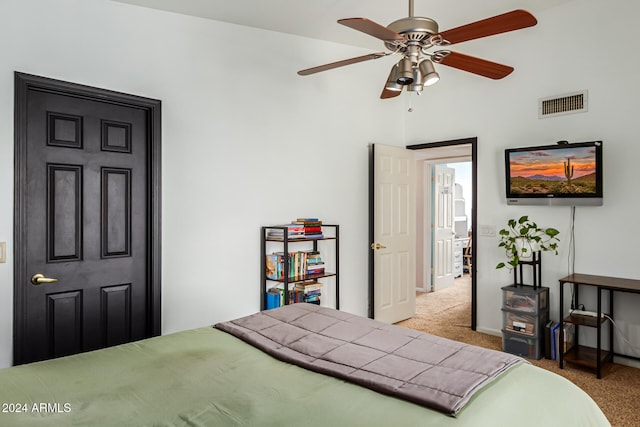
(564, 104)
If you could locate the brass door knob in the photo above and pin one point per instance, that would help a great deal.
(39, 279)
(377, 246)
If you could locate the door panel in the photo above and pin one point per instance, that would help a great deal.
(64, 212)
(394, 233)
(87, 212)
(116, 212)
(444, 182)
(115, 308)
(65, 323)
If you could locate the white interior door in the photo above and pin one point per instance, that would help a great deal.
(394, 236)
(443, 227)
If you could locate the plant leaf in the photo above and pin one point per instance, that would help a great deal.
(551, 232)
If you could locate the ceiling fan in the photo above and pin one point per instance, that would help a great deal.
(412, 37)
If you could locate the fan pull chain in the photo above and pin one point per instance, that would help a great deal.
(410, 109)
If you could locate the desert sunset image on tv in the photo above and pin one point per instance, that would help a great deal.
(568, 171)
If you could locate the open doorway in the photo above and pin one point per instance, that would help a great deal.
(442, 262)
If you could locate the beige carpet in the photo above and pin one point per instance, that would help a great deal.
(447, 313)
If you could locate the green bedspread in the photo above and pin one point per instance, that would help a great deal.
(205, 377)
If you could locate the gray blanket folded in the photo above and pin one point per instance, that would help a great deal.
(435, 372)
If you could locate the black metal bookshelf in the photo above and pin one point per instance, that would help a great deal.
(331, 234)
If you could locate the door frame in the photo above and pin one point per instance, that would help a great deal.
(473, 141)
(23, 83)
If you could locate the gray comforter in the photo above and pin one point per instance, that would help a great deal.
(422, 368)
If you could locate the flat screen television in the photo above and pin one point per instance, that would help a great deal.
(561, 174)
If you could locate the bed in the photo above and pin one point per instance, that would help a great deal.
(210, 377)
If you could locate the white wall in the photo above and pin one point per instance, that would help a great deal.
(584, 44)
(240, 129)
(234, 109)
(465, 179)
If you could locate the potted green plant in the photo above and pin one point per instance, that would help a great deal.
(523, 237)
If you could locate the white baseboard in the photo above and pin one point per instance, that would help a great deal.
(489, 331)
(621, 360)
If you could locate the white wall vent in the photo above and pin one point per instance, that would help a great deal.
(569, 103)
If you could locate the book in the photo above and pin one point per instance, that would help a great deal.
(312, 299)
(272, 299)
(309, 287)
(308, 220)
(569, 337)
(315, 269)
(548, 351)
(314, 236)
(272, 266)
(554, 341)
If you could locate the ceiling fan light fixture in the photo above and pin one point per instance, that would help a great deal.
(417, 85)
(392, 80)
(429, 74)
(405, 72)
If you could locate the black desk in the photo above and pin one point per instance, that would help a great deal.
(587, 356)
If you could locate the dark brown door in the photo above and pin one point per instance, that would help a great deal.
(87, 223)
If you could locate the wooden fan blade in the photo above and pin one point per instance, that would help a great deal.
(471, 64)
(372, 28)
(510, 21)
(386, 93)
(342, 63)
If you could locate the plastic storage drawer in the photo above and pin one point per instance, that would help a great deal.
(523, 324)
(522, 345)
(525, 299)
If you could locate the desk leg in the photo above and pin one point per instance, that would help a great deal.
(560, 353)
(611, 294)
(599, 329)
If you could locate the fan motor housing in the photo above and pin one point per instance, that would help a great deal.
(414, 28)
(414, 24)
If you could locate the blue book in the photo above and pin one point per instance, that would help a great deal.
(554, 341)
(272, 300)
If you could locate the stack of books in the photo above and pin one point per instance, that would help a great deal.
(312, 227)
(294, 231)
(308, 291)
(315, 264)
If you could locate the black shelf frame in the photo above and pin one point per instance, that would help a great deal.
(536, 265)
(590, 357)
(286, 241)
